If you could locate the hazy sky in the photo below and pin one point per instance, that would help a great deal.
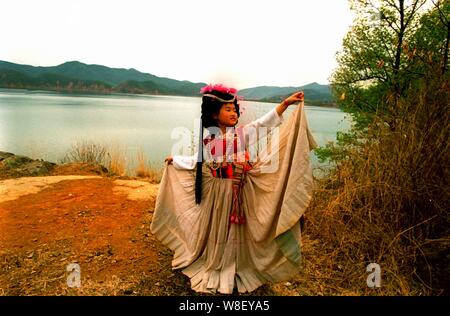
(243, 43)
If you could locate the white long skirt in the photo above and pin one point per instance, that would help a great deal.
(218, 255)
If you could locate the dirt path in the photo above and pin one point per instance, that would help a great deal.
(12, 189)
(100, 223)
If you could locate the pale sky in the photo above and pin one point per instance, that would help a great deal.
(242, 43)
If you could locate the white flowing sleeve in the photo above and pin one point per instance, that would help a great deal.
(184, 162)
(270, 119)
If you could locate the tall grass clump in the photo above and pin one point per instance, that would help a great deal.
(386, 199)
(114, 158)
(87, 152)
(117, 163)
(145, 169)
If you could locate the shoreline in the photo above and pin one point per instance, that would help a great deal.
(14, 166)
(103, 93)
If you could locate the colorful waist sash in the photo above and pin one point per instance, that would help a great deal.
(236, 171)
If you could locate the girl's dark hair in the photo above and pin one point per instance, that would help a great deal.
(210, 106)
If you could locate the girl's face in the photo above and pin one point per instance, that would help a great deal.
(227, 116)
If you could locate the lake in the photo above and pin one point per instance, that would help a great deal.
(45, 125)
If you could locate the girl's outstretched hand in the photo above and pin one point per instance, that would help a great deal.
(296, 97)
(169, 160)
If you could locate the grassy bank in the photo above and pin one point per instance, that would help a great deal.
(386, 200)
(114, 158)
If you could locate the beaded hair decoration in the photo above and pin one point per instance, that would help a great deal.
(218, 87)
(206, 91)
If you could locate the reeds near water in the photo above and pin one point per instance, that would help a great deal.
(114, 158)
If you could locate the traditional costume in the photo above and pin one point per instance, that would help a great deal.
(245, 232)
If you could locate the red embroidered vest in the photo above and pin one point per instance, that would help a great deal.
(229, 167)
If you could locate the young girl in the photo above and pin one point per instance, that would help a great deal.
(231, 220)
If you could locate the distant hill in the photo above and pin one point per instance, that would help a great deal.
(49, 81)
(111, 79)
(77, 76)
(314, 93)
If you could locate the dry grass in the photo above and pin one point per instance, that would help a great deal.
(386, 203)
(43, 272)
(88, 152)
(117, 161)
(114, 158)
(146, 170)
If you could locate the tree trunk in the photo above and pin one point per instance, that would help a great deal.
(398, 52)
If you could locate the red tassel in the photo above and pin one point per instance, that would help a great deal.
(229, 171)
(224, 147)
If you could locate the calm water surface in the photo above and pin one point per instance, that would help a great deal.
(45, 125)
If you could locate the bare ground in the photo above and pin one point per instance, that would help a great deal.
(100, 223)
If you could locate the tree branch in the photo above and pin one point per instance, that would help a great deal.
(415, 7)
(441, 14)
(393, 4)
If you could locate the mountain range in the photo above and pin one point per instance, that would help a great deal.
(74, 76)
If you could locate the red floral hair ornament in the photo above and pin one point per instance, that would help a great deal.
(219, 88)
(206, 91)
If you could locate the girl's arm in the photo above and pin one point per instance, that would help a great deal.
(252, 130)
(182, 162)
(275, 116)
(271, 119)
(296, 97)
